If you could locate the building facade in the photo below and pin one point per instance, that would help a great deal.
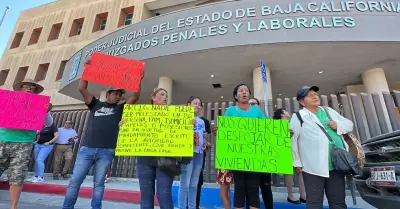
(205, 48)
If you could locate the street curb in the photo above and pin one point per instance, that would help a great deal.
(209, 185)
(210, 197)
(84, 192)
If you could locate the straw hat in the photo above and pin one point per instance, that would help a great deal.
(28, 81)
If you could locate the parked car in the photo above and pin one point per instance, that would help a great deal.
(379, 182)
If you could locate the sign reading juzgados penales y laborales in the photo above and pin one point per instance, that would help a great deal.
(23, 111)
(251, 144)
(156, 130)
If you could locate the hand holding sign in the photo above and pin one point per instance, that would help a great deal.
(114, 71)
(49, 107)
(214, 129)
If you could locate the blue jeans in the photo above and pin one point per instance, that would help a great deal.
(189, 181)
(41, 152)
(148, 176)
(87, 157)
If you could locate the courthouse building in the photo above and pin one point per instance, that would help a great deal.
(206, 47)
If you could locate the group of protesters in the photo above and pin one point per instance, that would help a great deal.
(311, 150)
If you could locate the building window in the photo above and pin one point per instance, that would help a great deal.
(61, 70)
(125, 16)
(100, 22)
(80, 26)
(128, 19)
(35, 36)
(103, 23)
(42, 72)
(55, 32)
(17, 40)
(76, 27)
(3, 76)
(21, 74)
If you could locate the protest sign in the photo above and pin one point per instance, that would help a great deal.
(252, 144)
(20, 110)
(155, 130)
(114, 71)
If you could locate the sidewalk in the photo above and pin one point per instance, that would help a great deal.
(127, 190)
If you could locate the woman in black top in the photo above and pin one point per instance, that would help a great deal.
(43, 145)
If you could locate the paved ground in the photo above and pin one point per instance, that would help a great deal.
(43, 201)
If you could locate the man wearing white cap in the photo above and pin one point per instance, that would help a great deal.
(16, 146)
(99, 144)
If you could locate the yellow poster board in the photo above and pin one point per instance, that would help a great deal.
(156, 130)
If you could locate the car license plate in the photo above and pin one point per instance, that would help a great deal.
(383, 176)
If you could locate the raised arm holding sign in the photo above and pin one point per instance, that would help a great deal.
(122, 73)
(103, 126)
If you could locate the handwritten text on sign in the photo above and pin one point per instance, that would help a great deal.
(20, 110)
(154, 130)
(251, 144)
(114, 71)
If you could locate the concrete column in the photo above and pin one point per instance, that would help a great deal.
(167, 84)
(258, 88)
(374, 81)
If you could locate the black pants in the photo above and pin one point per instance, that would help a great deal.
(266, 191)
(334, 188)
(246, 189)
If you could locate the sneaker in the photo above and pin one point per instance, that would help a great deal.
(107, 180)
(56, 178)
(38, 180)
(32, 179)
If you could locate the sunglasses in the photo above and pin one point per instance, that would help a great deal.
(28, 86)
(253, 104)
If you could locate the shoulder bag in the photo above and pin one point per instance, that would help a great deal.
(343, 161)
(355, 146)
(169, 165)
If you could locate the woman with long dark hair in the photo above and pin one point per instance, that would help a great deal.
(246, 183)
(189, 177)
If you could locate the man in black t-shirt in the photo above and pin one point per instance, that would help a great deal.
(99, 144)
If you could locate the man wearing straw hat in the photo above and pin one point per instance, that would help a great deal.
(16, 146)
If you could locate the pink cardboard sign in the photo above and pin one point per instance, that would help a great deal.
(20, 110)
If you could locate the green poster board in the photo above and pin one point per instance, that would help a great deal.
(252, 144)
